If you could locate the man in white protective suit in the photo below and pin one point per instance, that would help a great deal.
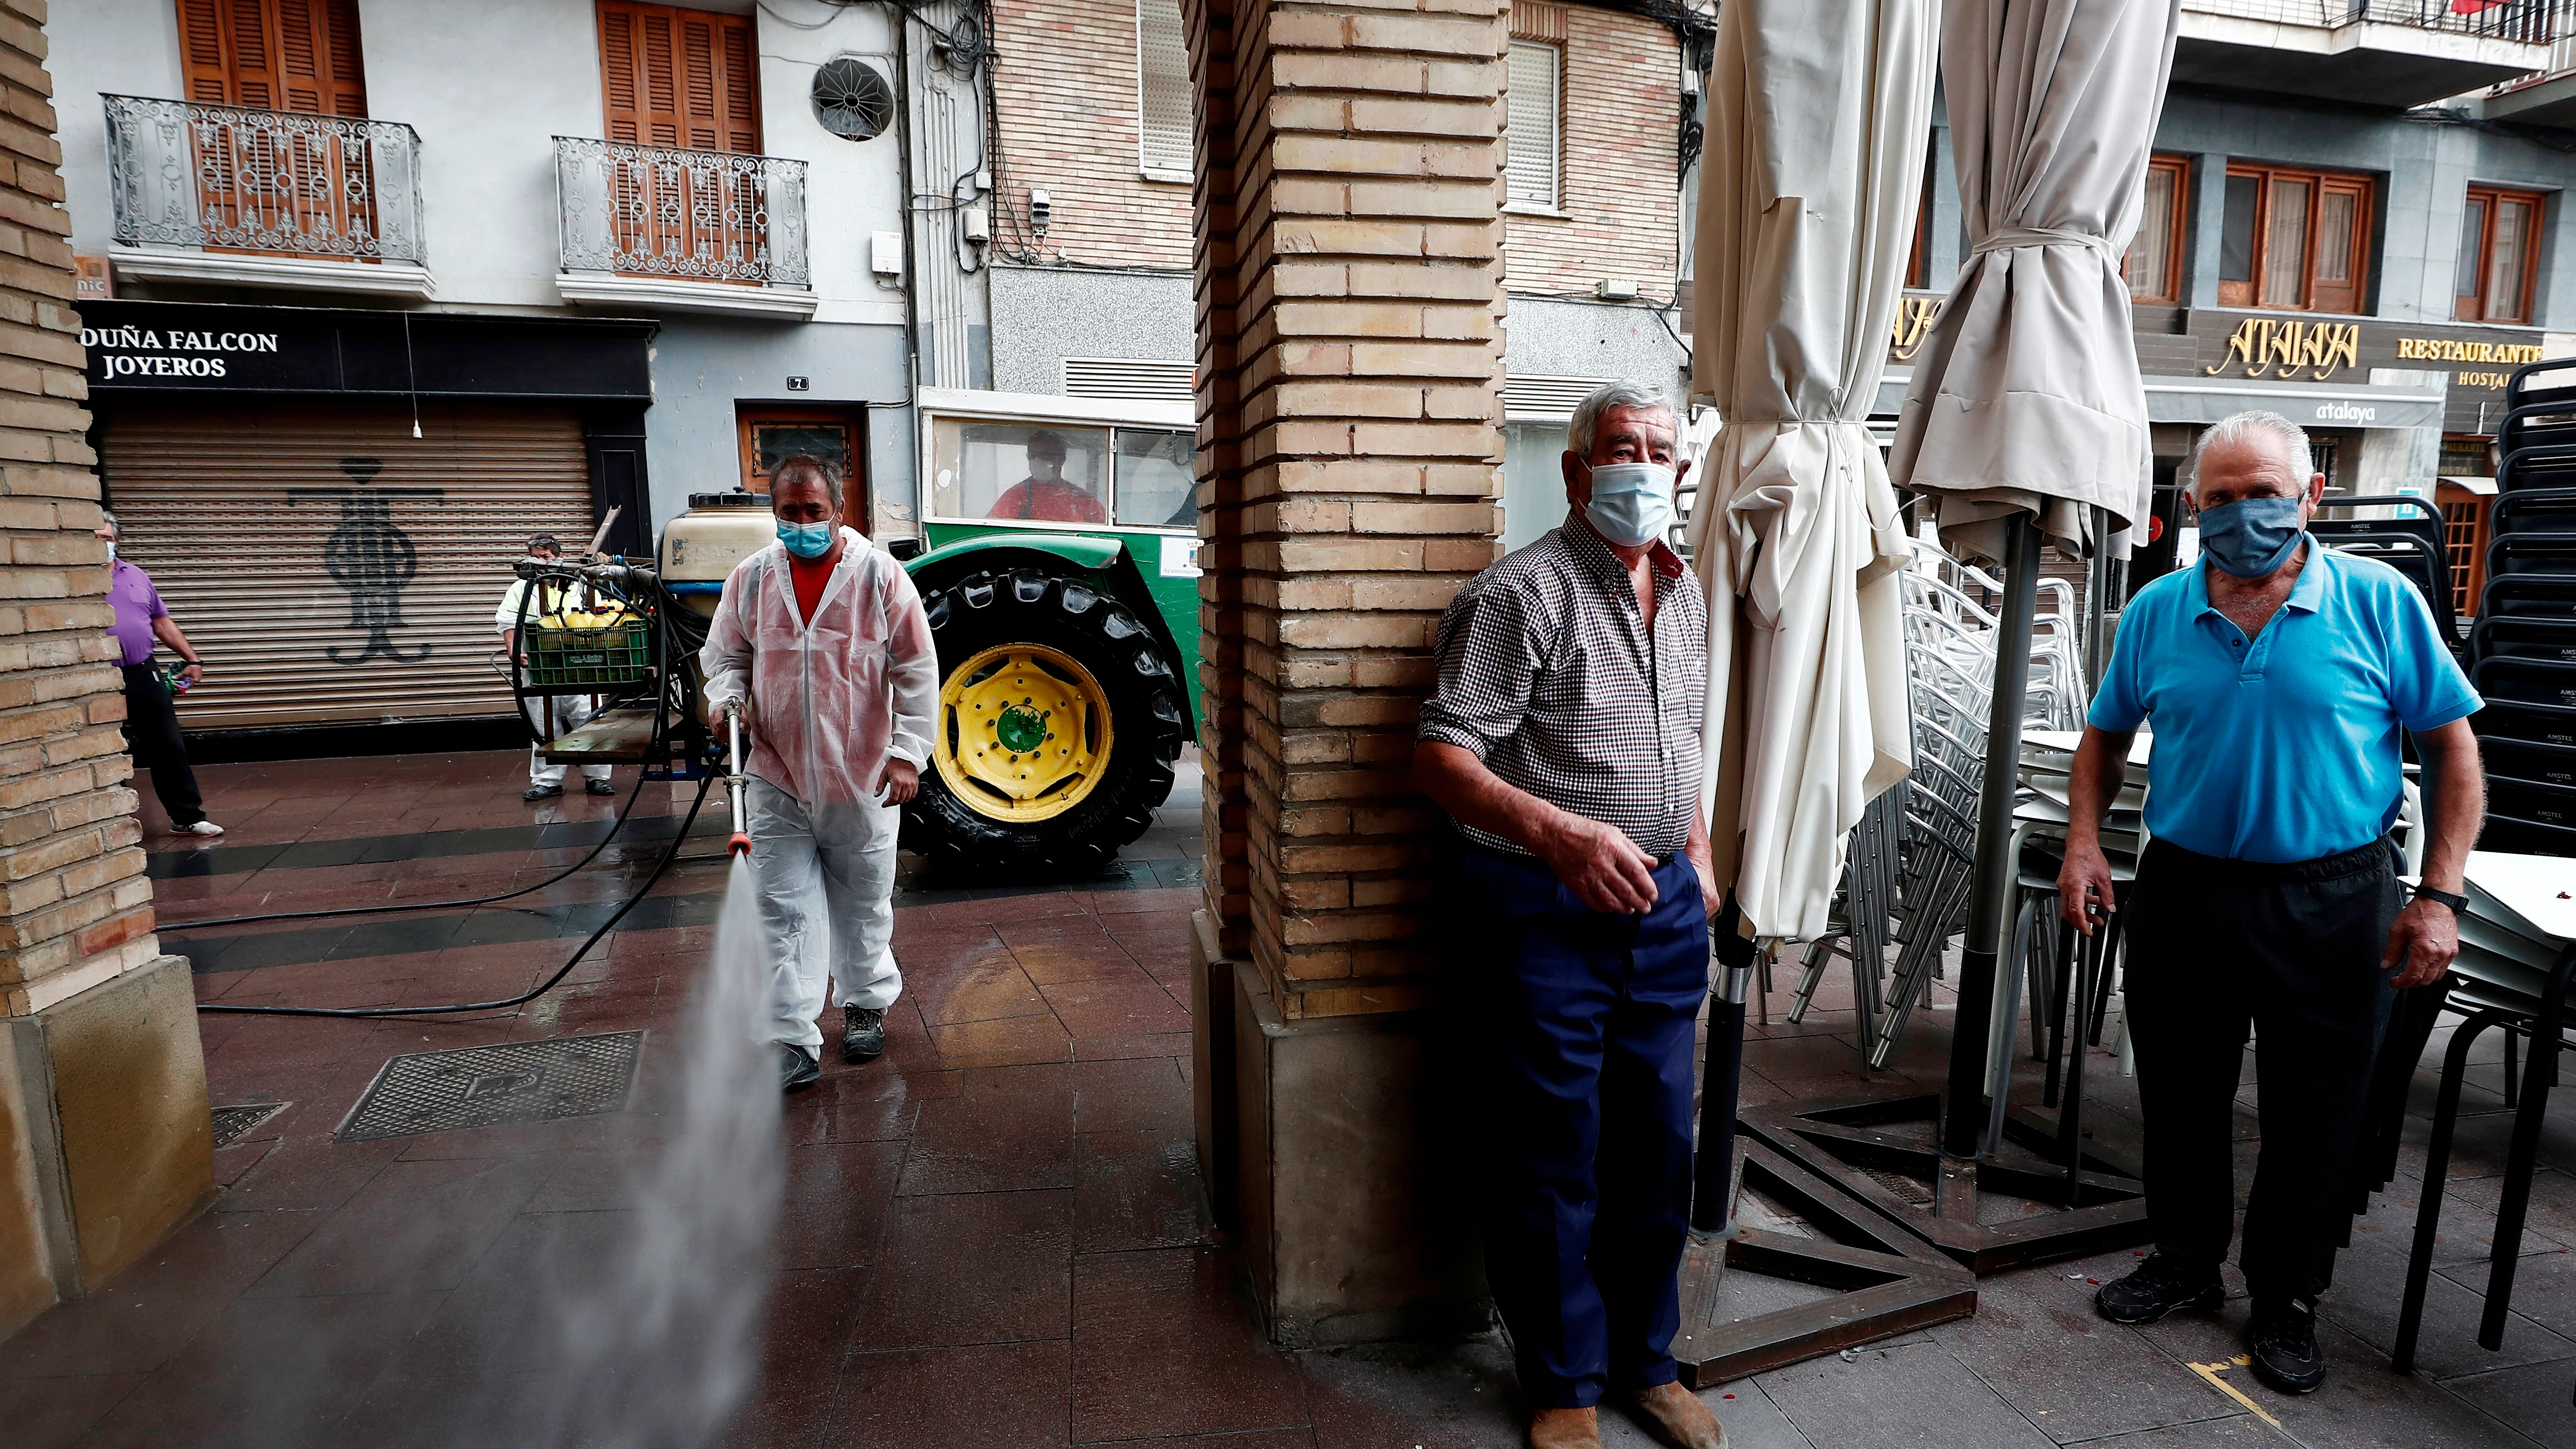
(821, 640)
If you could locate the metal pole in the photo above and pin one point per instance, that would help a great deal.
(2097, 605)
(1721, 1067)
(1990, 898)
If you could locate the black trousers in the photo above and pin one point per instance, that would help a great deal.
(152, 733)
(2292, 951)
(1580, 1067)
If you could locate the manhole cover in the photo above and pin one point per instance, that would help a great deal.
(232, 1124)
(528, 1081)
(1911, 1189)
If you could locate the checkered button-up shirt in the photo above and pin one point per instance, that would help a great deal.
(1549, 675)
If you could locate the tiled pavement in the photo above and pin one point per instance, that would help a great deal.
(995, 1235)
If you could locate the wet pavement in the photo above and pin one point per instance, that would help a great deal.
(996, 1235)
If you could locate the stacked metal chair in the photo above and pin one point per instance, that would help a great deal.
(1906, 879)
(2522, 650)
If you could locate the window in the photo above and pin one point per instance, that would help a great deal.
(2154, 264)
(274, 55)
(1918, 261)
(1164, 104)
(1531, 139)
(2499, 255)
(2296, 240)
(1062, 473)
(688, 79)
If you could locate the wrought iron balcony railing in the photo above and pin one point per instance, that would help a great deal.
(692, 216)
(2526, 22)
(232, 178)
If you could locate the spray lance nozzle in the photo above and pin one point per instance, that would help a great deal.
(740, 844)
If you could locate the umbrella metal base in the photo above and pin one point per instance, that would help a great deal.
(1888, 1283)
(1882, 1151)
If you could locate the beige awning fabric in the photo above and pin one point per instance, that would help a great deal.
(2026, 396)
(1818, 112)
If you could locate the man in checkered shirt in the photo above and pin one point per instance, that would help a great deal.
(1563, 740)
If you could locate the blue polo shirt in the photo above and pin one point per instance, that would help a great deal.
(2282, 747)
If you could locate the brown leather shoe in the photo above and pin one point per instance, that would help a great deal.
(1677, 1417)
(1566, 1429)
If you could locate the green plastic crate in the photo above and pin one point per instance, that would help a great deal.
(618, 654)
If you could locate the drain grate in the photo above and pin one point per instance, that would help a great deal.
(530, 1081)
(1911, 1189)
(232, 1124)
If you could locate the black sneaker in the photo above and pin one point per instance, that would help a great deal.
(541, 792)
(862, 1033)
(598, 787)
(2158, 1287)
(2283, 1342)
(797, 1067)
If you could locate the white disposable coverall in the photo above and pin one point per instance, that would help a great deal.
(562, 714)
(832, 698)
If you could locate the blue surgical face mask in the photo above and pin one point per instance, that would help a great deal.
(805, 540)
(1632, 503)
(2252, 537)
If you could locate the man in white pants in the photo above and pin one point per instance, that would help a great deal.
(821, 638)
(564, 713)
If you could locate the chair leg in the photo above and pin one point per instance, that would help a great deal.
(2437, 1166)
(2512, 1084)
(2060, 986)
(2519, 1160)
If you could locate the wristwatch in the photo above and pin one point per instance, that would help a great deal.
(2459, 904)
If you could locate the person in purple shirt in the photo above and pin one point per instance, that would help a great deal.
(151, 724)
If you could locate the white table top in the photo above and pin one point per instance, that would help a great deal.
(2537, 892)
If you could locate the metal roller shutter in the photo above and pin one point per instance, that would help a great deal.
(331, 567)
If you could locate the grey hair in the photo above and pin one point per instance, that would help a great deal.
(109, 518)
(1618, 394)
(822, 468)
(2246, 426)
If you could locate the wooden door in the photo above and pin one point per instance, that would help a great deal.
(688, 80)
(272, 186)
(772, 435)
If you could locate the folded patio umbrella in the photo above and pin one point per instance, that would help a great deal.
(1818, 116)
(2025, 397)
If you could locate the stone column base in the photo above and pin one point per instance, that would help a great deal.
(1323, 1150)
(105, 1141)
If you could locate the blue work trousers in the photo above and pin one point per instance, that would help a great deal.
(1580, 1034)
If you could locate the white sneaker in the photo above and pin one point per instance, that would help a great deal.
(202, 827)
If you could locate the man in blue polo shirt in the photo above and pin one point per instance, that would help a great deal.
(2279, 677)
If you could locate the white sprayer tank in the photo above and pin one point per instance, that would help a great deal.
(701, 546)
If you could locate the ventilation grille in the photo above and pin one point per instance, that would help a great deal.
(1540, 396)
(1131, 379)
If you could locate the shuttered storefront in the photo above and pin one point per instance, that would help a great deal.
(332, 568)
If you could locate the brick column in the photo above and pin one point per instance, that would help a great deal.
(104, 1139)
(1349, 290)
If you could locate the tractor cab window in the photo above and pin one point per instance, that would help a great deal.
(1157, 482)
(1042, 473)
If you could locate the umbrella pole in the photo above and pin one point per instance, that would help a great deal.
(1721, 1066)
(1991, 896)
(2098, 583)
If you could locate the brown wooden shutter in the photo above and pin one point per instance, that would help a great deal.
(277, 55)
(683, 78)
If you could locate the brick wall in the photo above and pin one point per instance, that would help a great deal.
(78, 908)
(1348, 274)
(1620, 111)
(1066, 94)
(1065, 91)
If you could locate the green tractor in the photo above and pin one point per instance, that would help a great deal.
(1064, 698)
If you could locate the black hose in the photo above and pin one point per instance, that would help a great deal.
(524, 998)
(614, 826)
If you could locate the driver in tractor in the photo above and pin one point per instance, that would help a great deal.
(820, 644)
(1044, 495)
